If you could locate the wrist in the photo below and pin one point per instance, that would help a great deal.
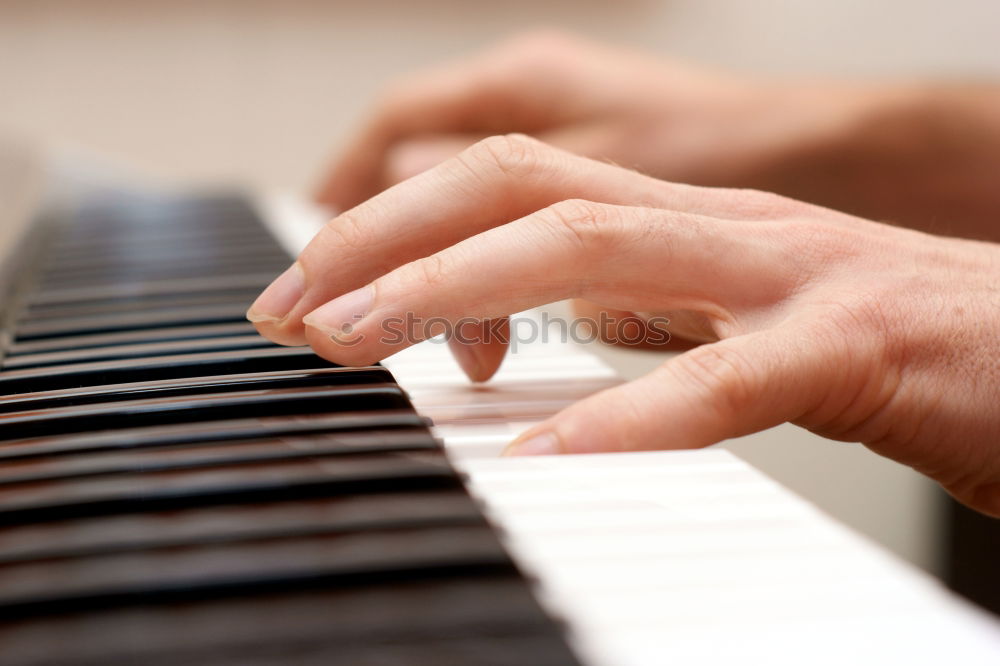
(921, 155)
(831, 143)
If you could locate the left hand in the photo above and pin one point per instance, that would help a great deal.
(855, 330)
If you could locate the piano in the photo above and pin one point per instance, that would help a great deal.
(175, 489)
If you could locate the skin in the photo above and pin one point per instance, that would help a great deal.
(856, 330)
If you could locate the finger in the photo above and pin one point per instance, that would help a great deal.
(630, 329)
(571, 249)
(480, 347)
(478, 96)
(708, 394)
(495, 181)
(693, 327)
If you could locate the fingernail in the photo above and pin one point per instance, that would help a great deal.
(342, 314)
(280, 297)
(467, 359)
(542, 444)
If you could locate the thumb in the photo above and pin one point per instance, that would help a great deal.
(710, 393)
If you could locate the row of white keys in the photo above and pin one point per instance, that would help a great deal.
(697, 558)
(678, 557)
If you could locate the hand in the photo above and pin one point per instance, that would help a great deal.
(855, 330)
(923, 155)
(668, 119)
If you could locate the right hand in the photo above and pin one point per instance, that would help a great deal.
(855, 330)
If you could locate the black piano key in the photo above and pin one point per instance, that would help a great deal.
(109, 229)
(144, 289)
(138, 350)
(164, 334)
(173, 491)
(502, 644)
(92, 395)
(126, 237)
(158, 273)
(221, 570)
(230, 524)
(205, 314)
(64, 310)
(155, 369)
(203, 432)
(124, 271)
(204, 455)
(252, 534)
(167, 248)
(417, 623)
(298, 530)
(207, 407)
(166, 253)
(118, 221)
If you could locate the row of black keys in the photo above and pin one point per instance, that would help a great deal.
(174, 488)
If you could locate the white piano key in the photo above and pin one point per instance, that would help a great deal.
(913, 638)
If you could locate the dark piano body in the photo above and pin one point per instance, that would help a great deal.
(176, 490)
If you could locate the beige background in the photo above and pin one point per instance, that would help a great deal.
(261, 92)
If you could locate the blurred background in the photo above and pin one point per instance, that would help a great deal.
(262, 92)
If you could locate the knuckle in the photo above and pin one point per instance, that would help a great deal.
(866, 358)
(538, 45)
(816, 246)
(586, 222)
(514, 155)
(429, 272)
(410, 89)
(531, 60)
(346, 231)
(758, 204)
(813, 251)
(397, 94)
(865, 325)
(723, 374)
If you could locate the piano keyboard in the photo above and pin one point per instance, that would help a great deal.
(175, 489)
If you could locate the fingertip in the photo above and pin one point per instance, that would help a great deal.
(336, 346)
(478, 360)
(468, 360)
(276, 333)
(255, 317)
(280, 297)
(491, 357)
(534, 443)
